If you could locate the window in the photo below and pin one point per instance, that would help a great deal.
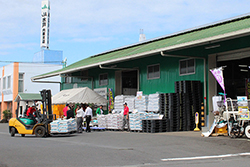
(187, 67)
(68, 80)
(103, 79)
(9, 81)
(4, 82)
(154, 71)
(20, 82)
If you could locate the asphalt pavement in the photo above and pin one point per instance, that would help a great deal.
(115, 148)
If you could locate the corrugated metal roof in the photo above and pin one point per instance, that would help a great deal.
(183, 37)
(28, 96)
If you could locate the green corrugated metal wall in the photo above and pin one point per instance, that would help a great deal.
(169, 68)
(111, 77)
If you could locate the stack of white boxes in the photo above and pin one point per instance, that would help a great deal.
(117, 121)
(152, 115)
(109, 121)
(135, 119)
(141, 103)
(101, 121)
(154, 102)
(119, 100)
(63, 126)
(130, 100)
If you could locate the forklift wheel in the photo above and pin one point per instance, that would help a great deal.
(40, 131)
(23, 135)
(12, 132)
(247, 131)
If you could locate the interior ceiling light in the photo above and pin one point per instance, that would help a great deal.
(243, 70)
(213, 46)
(243, 66)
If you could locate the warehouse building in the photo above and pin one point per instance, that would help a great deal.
(155, 65)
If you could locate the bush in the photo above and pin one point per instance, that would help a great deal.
(7, 114)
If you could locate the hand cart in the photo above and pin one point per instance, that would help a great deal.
(237, 125)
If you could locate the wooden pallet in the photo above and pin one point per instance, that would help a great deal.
(219, 134)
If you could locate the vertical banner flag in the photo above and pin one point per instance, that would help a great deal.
(218, 74)
(111, 99)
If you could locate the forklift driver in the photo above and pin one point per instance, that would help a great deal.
(30, 112)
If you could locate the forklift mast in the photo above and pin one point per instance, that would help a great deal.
(47, 110)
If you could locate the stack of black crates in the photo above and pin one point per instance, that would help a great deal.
(155, 126)
(178, 108)
(173, 111)
(162, 101)
(190, 99)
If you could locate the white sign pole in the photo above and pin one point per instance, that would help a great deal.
(45, 23)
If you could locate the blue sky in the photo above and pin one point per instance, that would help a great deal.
(82, 28)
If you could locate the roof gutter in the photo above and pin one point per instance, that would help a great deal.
(92, 79)
(116, 68)
(205, 76)
(35, 80)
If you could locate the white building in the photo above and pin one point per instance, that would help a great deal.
(15, 78)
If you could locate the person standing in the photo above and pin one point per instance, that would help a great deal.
(79, 115)
(65, 109)
(126, 117)
(84, 107)
(89, 115)
(70, 113)
(99, 110)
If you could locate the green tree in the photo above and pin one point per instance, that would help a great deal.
(7, 114)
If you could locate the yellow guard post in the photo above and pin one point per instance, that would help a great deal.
(196, 121)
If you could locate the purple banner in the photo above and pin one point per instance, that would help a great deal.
(218, 74)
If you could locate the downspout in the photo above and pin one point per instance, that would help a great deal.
(205, 78)
(92, 80)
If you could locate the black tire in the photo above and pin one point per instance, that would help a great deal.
(12, 132)
(235, 132)
(23, 135)
(40, 131)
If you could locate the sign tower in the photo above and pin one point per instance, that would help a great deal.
(45, 23)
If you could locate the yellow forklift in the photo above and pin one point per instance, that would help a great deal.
(39, 124)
